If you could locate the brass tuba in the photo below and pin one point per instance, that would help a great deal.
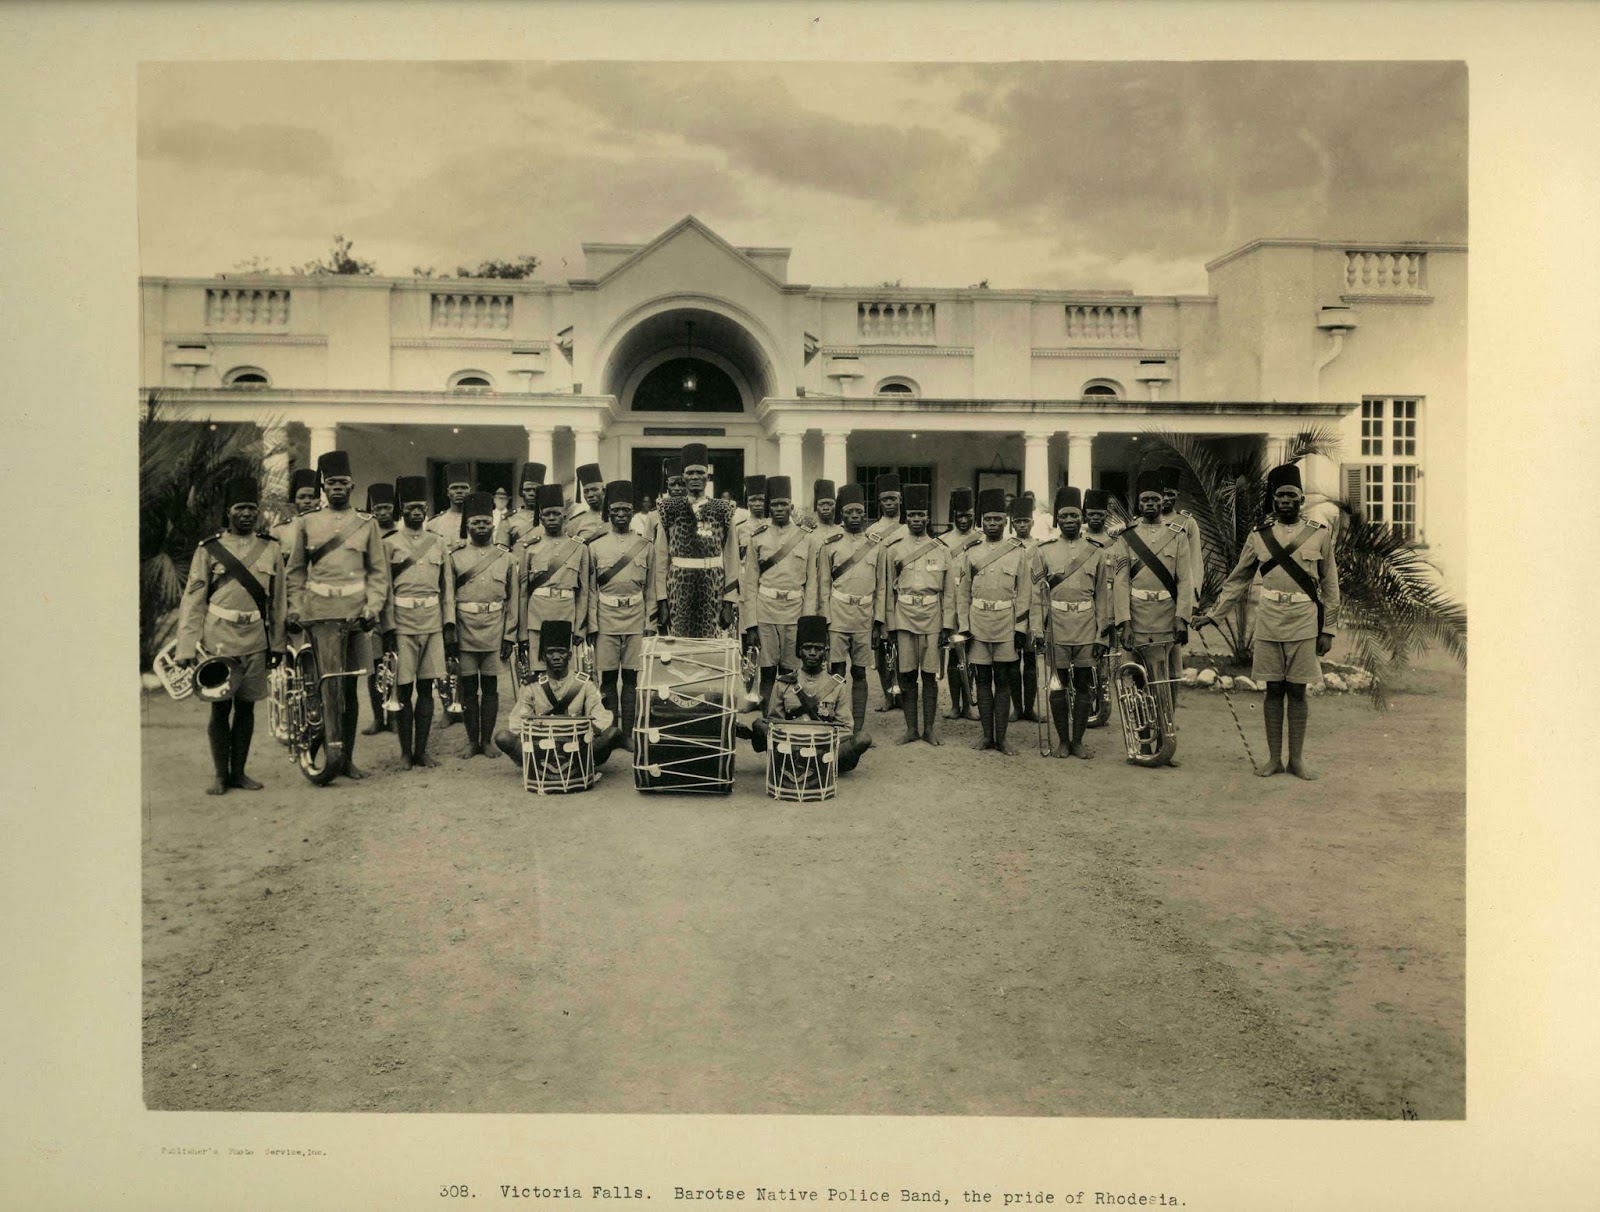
(1147, 727)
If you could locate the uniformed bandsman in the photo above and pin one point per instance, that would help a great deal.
(552, 578)
(888, 527)
(381, 505)
(1171, 478)
(706, 602)
(305, 494)
(234, 605)
(1074, 607)
(917, 599)
(420, 617)
(561, 693)
(779, 585)
(523, 522)
(823, 520)
(754, 513)
(1096, 511)
(338, 574)
(962, 536)
(1292, 558)
(484, 576)
(586, 518)
(850, 597)
(448, 523)
(624, 605)
(993, 580)
(1025, 677)
(1154, 566)
(812, 693)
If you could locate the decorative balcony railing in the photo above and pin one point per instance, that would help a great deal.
(1103, 323)
(1385, 273)
(895, 322)
(471, 312)
(246, 307)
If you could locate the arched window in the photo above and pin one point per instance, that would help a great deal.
(246, 376)
(471, 380)
(897, 385)
(1102, 389)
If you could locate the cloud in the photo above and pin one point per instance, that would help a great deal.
(295, 151)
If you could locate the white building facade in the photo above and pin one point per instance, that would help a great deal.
(688, 338)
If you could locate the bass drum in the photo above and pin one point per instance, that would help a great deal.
(683, 734)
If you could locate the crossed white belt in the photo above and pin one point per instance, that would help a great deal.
(1284, 595)
(233, 616)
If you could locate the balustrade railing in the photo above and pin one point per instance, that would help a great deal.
(1103, 323)
(471, 311)
(886, 321)
(1379, 273)
(246, 307)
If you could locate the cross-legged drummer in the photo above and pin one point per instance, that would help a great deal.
(962, 536)
(559, 693)
(1073, 609)
(849, 595)
(778, 584)
(994, 578)
(1293, 558)
(484, 574)
(917, 608)
(812, 693)
(420, 617)
(553, 578)
(623, 606)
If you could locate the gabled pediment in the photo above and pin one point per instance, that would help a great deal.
(689, 230)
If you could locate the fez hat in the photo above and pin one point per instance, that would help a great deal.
(671, 466)
(850, 494)
(411, 488)
(810, 629)
(1286, 474)
(241, 490)
(1021, 507)
(304, 477)
(555, 633)
(619, 492)
(549, 497)
(532, 473)
(1171, 477)
(992, 500)
(589, 473)
(457, 473)
(755, 486)
(1096, 498)
(381, 493)
(780, 488)
(693, 454)
(916, 497)
(822, 490)
(1068, 498)
(478, 504)
(887, 482)
(1147, 481)
(961, 500)
(333, 463)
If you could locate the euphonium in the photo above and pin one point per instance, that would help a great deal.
(177, 680)
(1147, 727)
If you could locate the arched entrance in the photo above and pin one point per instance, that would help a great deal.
(688, 359)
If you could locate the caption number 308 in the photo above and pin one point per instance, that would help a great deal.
(454, 1191)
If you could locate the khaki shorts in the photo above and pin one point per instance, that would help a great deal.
(331, 657)
(983, 652)
(421, 656)
(916, 653)
(777, 644)
(1073, 656)
(474, 664)
(618, 652)
(252, 677)
(1286, 661)
(850, 647)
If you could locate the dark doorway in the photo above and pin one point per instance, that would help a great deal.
(687, 385)
(727, 470)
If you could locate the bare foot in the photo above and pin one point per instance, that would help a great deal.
(982, 744)
(1080, 750)
(909, 737)
(422, 759)
(931, 739)
(406, 763)
(372, 729)
(1299, 771)
(1174, 763)
(218, 787)
(352, 771)
(1064, 751)
(1271, 768)
(1008, 749)
(488, 751)
(244, 783)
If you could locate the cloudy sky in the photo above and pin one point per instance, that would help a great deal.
(1079, 175)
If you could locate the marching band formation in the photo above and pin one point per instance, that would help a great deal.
(673, 633)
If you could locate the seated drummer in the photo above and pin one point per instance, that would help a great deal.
(813, 694)
(560, 693)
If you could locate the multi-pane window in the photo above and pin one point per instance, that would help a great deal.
(867, 476)
(1390, 469)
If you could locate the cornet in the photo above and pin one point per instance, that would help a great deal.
(750, 674)
(452, 685)
(891, 671)
(388, 678)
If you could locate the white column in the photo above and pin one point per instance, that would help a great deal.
(323, 439)
(1276, 449)
(1080, 460)
(275, 463)
(541, 447)
(585, 447)
(1036, 468)
(789, 455)
(836, 457)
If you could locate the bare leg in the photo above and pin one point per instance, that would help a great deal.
(1298, 710)
(930, 707)
(1006, 673)
(1272, 713)
(488, 710)
(219, 733)
(419, 747)
(244, 728)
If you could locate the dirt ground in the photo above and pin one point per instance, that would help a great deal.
(958, 933)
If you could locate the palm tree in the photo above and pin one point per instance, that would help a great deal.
(183, 468)
(1393, 605)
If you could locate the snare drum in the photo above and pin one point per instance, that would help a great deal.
(802, 760)
(557, 754)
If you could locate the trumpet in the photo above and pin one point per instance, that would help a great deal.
(1147, 727)
(388, 679)
(750, 674)
(891, 671)
(584, 659)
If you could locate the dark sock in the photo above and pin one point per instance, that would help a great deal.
(1082, 703)
(769, 678)
(408, 719)
(1058, 715)
(352, 716)
(930, 702)
(219, 733)
(424, 719)
(983, 687)
(468, 687)
(488, 709)
(628, 703)
(244, 728)
(908, 702)
(1272, 713)
(1298, 710)
(858, 696)
(1007, 671)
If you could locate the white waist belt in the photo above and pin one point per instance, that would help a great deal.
(233, 616)
(1151, 595)
(327, 589)
(852, 599)
(544, 591)
(621, 599)
(1070, 607)
(1284, 595)
(480, 607)
(697, 561)
(993, 604)
(412, 601)
(919, 599)
(778, 595)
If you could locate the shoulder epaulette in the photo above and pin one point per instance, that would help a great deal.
(833, 538)
(1314, 522)
(599, 534)
(1186, 513)
(1175, 526)
(502, 546)
(761, 529)
(837, 678)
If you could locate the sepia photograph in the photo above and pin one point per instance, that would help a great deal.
(805, 588)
